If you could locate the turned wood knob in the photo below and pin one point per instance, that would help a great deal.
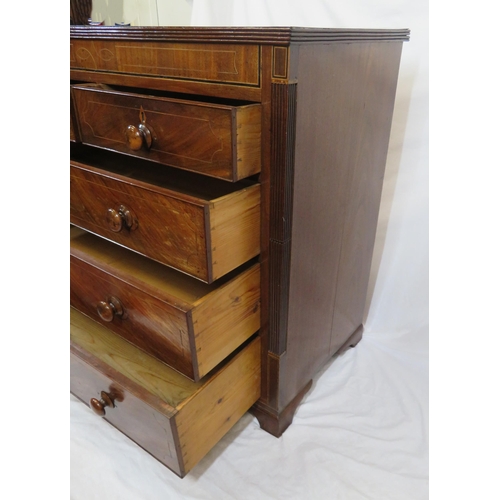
(109, 309)
(134, 138)
(99, 405)
(139, 136)
(120, 217)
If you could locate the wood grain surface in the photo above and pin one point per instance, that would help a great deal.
(315, 106)
(172, 228)
(190, 325)
(212, 139)
(174, 419)
(346, 120)
(230, 63)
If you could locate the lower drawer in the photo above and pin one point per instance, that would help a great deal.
(176, 420)
(187, 324)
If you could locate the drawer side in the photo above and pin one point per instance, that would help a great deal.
(211, 412)
(235, 229)
(226, 318)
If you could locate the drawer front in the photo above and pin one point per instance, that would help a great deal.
(145, 425)
(174, 419)
(187, 324)
(215, 140)
(228, 63)
(166, 229)
(144, 320)
(176, 231)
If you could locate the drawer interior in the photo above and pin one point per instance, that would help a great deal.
(203, 187)
(147, 92)
(175, 419)
(155, 377)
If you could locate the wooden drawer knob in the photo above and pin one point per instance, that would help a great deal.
(139, 136)
(108, 310)
(120, 217)
(99, 405)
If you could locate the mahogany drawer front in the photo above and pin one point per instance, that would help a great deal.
(176, 420)
(202, 236)
(179, 320)
(228, 63)
(212, 139)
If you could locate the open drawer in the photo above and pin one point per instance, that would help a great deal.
(179, 320)
(176, 420)
(219, 140)
(201, 226)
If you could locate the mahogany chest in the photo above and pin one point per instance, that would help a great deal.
(225, 187)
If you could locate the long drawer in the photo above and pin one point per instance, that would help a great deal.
(190, 325)
(192, 62)
(200, 226)
(176, 420)
(218, 140)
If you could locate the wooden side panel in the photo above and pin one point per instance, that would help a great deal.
(235, 229)
(361, 215)
(230, 63)
(191, 136)
(226, 318)
(147, 321)
(343, 123)
(168, 230)
(205, 418)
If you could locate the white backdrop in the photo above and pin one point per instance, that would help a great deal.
(362, 431)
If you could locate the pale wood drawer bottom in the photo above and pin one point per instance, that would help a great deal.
(176, 420)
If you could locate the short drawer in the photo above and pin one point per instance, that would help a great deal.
(204, 229)
(190, 325)
(211, 139)
(176, 420)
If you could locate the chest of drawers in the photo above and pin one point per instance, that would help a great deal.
(225, 186)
